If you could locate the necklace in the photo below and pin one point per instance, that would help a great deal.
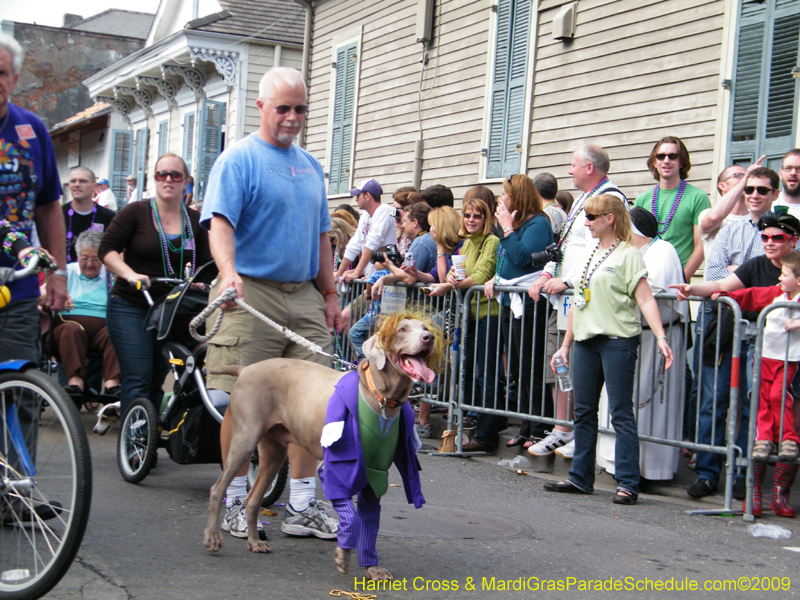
(573, 214)
(71, 212)
(187, 242)
(584, 293)
(675, 203)
(501, 254)
(643, 250)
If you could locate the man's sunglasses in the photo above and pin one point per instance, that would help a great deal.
(473, 216)
(176, 176)
(761, 189)
(591, 217)
(300, 109)
(671, 155)
(777, 238)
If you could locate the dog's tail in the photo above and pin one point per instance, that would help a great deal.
(234, 370)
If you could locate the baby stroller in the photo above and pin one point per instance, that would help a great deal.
(188, 426)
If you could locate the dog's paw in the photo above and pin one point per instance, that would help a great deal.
(378, 573)
(213, 540)
(258, 546)
(343, 560)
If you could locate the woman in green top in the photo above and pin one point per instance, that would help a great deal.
(609, 284)
(480, 248)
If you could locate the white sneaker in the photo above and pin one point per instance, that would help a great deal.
(312, 521)
(548, 445)
(567, 451)
(235, 522)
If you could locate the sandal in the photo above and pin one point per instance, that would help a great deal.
(625, 497)
(92, 406)
(517, 441)
(531, 442)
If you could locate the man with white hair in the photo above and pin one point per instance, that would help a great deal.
(267, 212)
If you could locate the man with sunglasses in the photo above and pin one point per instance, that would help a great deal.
(675, 203)
(266, 209)
(779, 234)
(790, 178)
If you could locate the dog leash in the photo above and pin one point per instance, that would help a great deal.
(230, 295)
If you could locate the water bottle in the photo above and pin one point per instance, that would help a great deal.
(564, 380)
(410, 262)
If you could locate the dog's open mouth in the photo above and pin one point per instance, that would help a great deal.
(414, 366)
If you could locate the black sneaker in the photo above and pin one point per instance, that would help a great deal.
(701, 488)
(739, 488)
(20, 514)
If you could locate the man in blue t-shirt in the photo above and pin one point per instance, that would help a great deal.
(267, 214)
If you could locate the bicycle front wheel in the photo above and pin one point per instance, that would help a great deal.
(45, 484)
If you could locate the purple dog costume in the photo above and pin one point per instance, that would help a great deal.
(344, 474)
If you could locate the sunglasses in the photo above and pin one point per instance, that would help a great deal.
(300, 109)
(176, 176)
(591, 217)
(671, 156)
(777, 238)
(761, 189)
(474, 216)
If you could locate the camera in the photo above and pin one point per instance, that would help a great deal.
(392, 253)
(551, 253)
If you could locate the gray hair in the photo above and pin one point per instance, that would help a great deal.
(86, 170)
(10, 45)
(291, 77)
(592, 153)
(89, 238)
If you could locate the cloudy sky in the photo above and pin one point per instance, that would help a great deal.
(51, 12)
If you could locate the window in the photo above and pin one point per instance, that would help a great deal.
(765, 95)
(163, 137)
(209, 142)
(141, 163)
(188, 140)
(120, 164)
(509, 82)
(343, 119)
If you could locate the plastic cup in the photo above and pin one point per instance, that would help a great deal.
(460, 266)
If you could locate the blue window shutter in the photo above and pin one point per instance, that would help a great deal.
(209, 145)
(163, 133)
(188, 140)
(343, 111)
(509, 82)
(141, 166)
(120, 164)
(780, 109)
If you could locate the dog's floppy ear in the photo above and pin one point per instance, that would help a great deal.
(374, 353)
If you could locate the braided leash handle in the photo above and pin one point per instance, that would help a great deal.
(226, 296)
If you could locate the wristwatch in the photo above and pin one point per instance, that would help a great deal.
(508, 229)
(61, 272)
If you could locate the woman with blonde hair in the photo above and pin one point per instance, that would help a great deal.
(341, 232)
(610, 284)
(446, 226)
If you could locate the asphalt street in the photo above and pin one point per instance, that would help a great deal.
(485, 532)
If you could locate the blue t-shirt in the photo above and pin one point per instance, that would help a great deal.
(423, 249)
(28, 178)
(276, 202)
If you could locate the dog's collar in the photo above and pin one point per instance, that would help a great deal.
(382, 400)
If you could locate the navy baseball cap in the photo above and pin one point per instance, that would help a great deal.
(368, 185)
(103, 182)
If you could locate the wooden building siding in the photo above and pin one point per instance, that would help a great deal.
(261, 59)
(634, 73)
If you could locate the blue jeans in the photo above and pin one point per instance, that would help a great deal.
(709, 464)
(141, 365)
(480, 366)
(612, 361)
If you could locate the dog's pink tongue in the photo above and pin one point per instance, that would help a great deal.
(425, 374)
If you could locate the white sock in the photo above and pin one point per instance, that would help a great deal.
(565, 435)
(236, 489)
(301, 492)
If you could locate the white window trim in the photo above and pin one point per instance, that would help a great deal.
(730, 33)
(487, 112)
(345, 39)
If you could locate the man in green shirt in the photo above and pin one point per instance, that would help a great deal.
(675, 203)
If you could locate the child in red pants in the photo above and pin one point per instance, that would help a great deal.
(780, 329)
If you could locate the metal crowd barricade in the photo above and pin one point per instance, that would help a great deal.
(754, 396)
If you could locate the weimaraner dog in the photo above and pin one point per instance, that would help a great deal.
(281, 401)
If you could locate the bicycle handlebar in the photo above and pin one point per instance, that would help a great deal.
(25, 271)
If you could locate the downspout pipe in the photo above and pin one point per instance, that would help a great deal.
(306, 54)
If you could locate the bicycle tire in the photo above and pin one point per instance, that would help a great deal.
(35, 556)
(137, 445)
(275, 488)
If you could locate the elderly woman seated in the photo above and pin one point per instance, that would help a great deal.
(82, 327)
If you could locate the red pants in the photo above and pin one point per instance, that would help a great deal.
(769, 402)
(75, 336)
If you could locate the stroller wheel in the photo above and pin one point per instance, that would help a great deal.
(275, 487)
(137, 446)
